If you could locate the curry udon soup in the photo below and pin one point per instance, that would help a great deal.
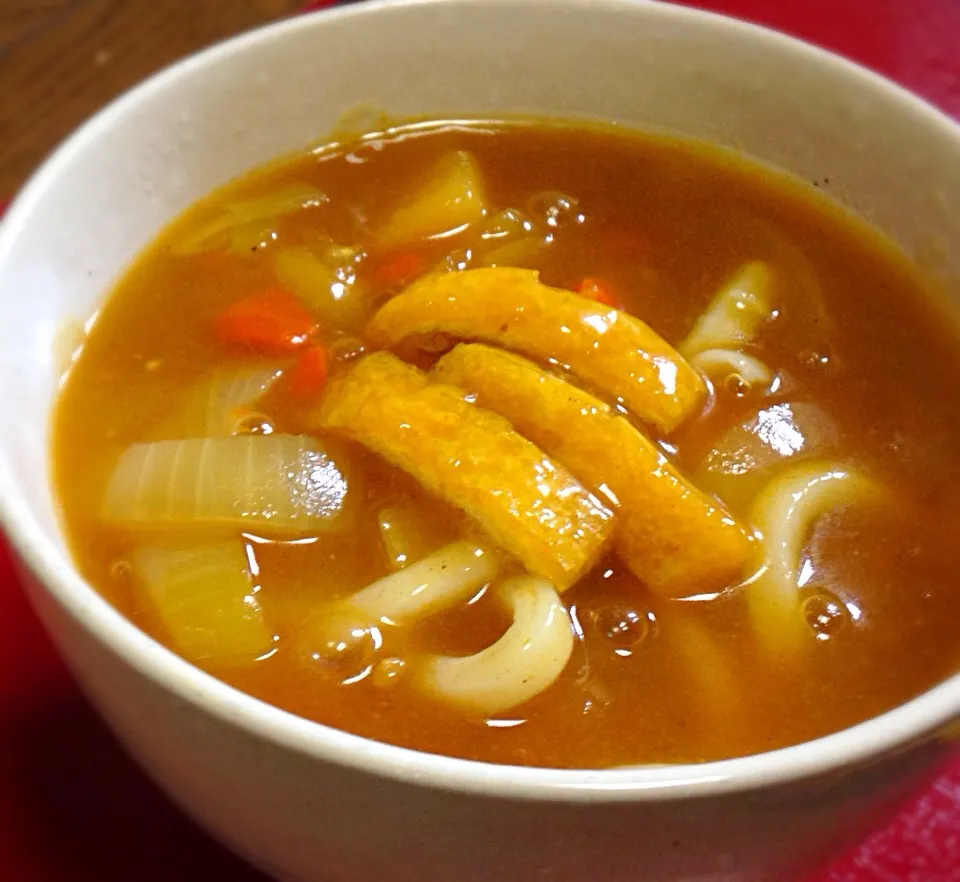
(527, 443)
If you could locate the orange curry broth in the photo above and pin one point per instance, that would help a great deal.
(665, 224)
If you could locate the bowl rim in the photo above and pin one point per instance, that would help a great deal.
(858, 745)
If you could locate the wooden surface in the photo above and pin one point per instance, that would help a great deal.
(61, 60)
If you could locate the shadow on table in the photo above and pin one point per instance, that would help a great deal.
(82, 810)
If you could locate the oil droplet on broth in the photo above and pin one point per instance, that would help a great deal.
(387, 672)
(253, 424)
(825, 615)
(120, 570)
(459, 260)
(735, 385)
(620, 625)
(556, 210)
(340, 643)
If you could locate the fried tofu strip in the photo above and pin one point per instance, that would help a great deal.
(611, 350)
(530, 506)
(675, 538)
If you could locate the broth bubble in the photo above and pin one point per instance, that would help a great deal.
(825, 615)
(120, 570)
(620, 625)
(387, 672)
(253, 423)
(341, 641)
(736, 385)
(556, 210)
(506, 224)
(816, 358)
(459, 260)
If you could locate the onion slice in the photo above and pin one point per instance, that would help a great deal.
(204, 597)
(270, 484)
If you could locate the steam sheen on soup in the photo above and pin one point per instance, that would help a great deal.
(527, 443)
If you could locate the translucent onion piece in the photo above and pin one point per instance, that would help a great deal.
(268, 484)
(248, 214)
(726, 364)
(778, 432)
(526, 252)
(253, 236)
(404, 535)
(743, 456)
(217, 405)
(524, 662)
(325, 282)
(735, 313)
(786, 512)
(286, 200)
(205, 599)
(451, 198)
(610, 349)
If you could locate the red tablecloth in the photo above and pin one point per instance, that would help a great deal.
(73, 808)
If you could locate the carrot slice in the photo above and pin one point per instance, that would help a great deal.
(401, 269)
(600, 291)
(530, 506)
(669, 534)
(309, 375)
(273, 322)
(612, 350)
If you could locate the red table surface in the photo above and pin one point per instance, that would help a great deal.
(74, 808)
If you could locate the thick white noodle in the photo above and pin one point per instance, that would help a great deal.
(785, 512)
(735, 313)
(435, 583)
(717, 693)
(726, 363)
(524, 662)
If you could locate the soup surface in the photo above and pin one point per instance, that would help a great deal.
(730, 533)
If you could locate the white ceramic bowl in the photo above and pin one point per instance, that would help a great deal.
(310, 803)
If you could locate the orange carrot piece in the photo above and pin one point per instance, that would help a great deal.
(309, 375)
(400, 269)
(273, 322)
(600, 291)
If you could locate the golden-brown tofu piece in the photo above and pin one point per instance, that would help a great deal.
(678, 540)
(609, 349)
(530, 505)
